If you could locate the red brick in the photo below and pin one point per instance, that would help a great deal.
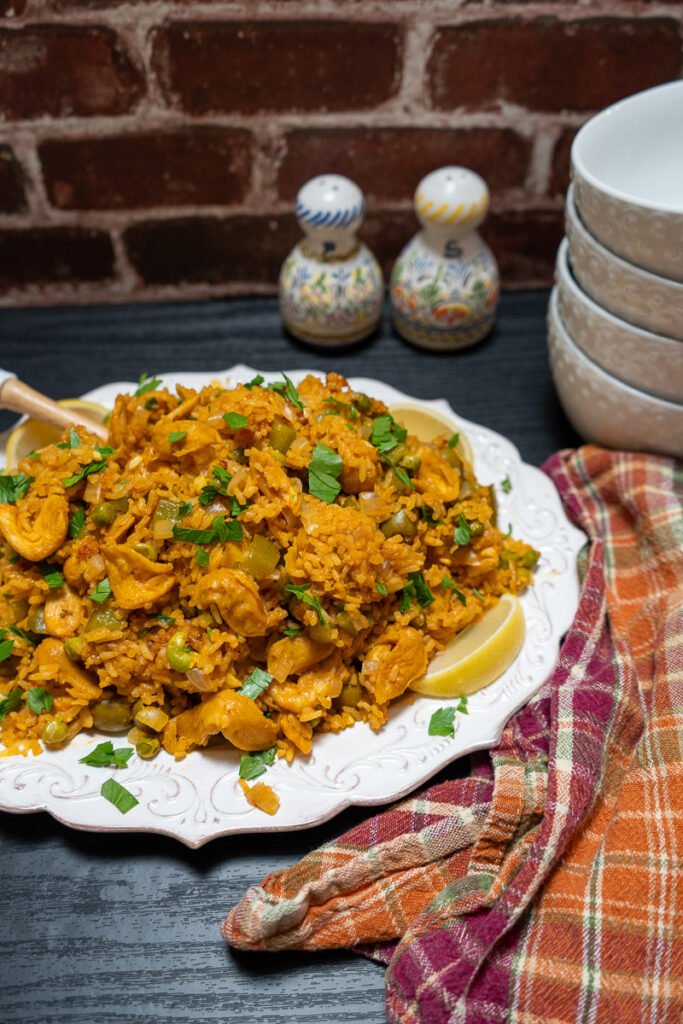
(12, 197)
(546, 64)
(12, 8)
(62, 71)
(211, 250)
(33, 256)
(388, 163)
(265, 65)
(559, 171)
(525, 244)
(191, 166)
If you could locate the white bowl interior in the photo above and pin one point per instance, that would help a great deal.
(634, 149)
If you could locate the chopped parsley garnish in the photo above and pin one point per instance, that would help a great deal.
(386, 434)
(184, 509)
(506, 484)
(300, 590)
(175, 436)
(341, 407)
(186, 533)
(164, 620)
(236, 509)
(287, 390)
(73, 442)
(218, 531)
(103, 452)
(416, 589)
(448, 584)
(453, 440)
(146, 383)
(291, 631)
(253, 765)
(91, 467)
(462, 532)
(51, 575)
(255, 382)
(77, 523)
(479, 596)
(381, 589)
(105, 755)
(202, 558)
(235, 420)
(5, 647)
(227, 531)
(14, 487)
(428, 516)
(324, 470)
(122, 799)
(442, 722)
(402, 475)
(30, 638)
(101, 592)
(39, 700)
(256, 683)
(11, 703)
(210, 492)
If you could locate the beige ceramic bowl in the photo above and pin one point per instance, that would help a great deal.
(606, 410)
(638, 296)
(650, 362)
(627, 165)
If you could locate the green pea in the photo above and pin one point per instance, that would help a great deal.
(351, 695)
(179, 656)
(477, 528)
(400, 524)
(281, 436)
(148, 748)
(106, 513)
(111, 714)
(54, 732)
(74, 647)
(238, 455)
(411, 462)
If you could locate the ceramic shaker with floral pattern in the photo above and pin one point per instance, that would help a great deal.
(445, 283)
(331, 286)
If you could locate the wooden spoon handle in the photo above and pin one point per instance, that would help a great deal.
(19, 397)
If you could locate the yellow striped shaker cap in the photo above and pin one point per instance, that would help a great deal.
(452, 197)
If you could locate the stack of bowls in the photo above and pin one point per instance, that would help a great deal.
(615, 322)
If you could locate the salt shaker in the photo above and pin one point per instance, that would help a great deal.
(445, 283)
(331, 286)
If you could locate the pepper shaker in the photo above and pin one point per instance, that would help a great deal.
(331, 286)
(445, 283)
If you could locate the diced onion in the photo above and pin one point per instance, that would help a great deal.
(162, 529)
(370, 502)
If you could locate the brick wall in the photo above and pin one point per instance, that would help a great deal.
(151, 148)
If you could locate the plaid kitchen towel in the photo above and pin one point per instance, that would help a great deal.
(545, 888)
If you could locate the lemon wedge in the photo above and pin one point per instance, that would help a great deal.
(427, 424)
(32, 434)
(478, 655)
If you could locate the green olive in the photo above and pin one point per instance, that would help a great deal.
(281, 436)
(351, 694)
(399, 452)
(19, 609)
(238, 455)
(111, 714)
(148, 748)
(106, 513)
(322, 634)
(74, 647)
(261, 557)
(477, 528)
(146, 550)
(54, 732)
(400, 524)
(179, 656)
(362, 402)
(348, 501)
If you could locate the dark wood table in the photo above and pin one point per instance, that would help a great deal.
(123, 929)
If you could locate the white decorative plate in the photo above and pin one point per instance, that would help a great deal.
(198, 799)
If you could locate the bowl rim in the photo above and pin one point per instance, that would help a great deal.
(675, 408)
(566, 275)
(574, 217)
(593, 124)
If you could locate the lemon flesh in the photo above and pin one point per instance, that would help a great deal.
(478, 655)
(32, 434)
(427, 424)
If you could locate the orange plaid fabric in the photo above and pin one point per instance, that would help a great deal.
(546, 887)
